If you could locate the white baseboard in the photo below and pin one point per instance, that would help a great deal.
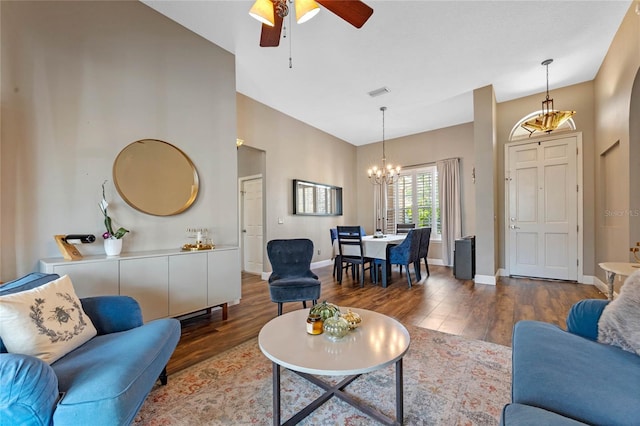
(588, 279)
(320, 264)
(485, 279)
(603, 287)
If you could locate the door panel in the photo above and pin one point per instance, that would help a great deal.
(252, 225)
(543, 215)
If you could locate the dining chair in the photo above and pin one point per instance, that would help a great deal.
(336, 259)
(352, 253)
(292, 279)
(405, 253)
(425, 239)
(404, 228)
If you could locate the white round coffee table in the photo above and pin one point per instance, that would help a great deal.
(378, 342)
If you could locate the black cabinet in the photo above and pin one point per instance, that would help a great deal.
(464, 258)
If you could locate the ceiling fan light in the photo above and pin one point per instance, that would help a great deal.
(262, 10)
(305, 10)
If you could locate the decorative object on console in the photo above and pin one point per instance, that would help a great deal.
(549, 119)
(203, 242)
(46, 322)
(112, 240)
(635, 251)
(66, 244)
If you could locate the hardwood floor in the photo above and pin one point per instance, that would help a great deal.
(439, 302)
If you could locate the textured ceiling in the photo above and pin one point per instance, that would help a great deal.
(430, 54)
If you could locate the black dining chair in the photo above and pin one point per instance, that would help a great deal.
(292, 279)
(404, 228)
(425, 239)
(352, 253)
(336, 260)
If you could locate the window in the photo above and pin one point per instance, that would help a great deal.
(414, 199)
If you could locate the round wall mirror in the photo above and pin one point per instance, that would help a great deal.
(155, 177)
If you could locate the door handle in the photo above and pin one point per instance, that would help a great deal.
(244, 230)
(514, 227)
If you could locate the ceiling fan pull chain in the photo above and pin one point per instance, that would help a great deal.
(290, 60)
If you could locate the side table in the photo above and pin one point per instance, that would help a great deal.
(617, 268)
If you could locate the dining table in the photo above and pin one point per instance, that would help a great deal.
(373, 247)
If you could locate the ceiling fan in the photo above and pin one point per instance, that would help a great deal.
(272, 12)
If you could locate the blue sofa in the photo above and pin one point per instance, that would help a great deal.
(102, 382)
(568, 378)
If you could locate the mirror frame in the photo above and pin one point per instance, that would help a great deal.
(337, 210)
(152, 186)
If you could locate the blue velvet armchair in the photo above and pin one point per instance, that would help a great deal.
(292, 279)
(104, 381)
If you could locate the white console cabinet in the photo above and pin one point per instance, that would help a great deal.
(166, 283)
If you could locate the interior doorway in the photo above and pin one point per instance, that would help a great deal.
(251, 225)
(543, 192)
(251, 208)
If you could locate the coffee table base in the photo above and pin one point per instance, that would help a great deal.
(338, 391)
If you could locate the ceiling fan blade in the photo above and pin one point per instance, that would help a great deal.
(354, 12)
(270, 36)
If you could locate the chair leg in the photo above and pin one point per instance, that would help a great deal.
(279, 309)
(408, 276)
(314, 302)
(163, 376)
(416, 268)
(304, 303)
(426, 265)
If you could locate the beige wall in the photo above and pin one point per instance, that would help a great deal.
(294, 150)
(418, 149)
(578, 97)
(615, 150)
(80, 81)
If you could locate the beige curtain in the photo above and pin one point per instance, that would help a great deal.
(450, 212)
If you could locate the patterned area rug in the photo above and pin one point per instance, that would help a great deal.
(448, 380)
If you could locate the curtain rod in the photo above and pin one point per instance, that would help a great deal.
(433, 163)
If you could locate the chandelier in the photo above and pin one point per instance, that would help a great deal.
(263, 10)
(387, 174)
(550, 119)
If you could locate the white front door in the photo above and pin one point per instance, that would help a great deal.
(543, 212)
(252, 225)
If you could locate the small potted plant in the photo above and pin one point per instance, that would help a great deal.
(112, 240)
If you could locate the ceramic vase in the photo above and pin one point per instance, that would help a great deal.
(112, 247)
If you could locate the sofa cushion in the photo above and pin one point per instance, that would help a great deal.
(29, 390)
(29, 281)
(575, 377)
(619, 323)
(584, 316)
(526, 415)
(103, 379)
(46, 322)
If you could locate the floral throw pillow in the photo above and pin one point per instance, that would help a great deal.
(46, 322)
